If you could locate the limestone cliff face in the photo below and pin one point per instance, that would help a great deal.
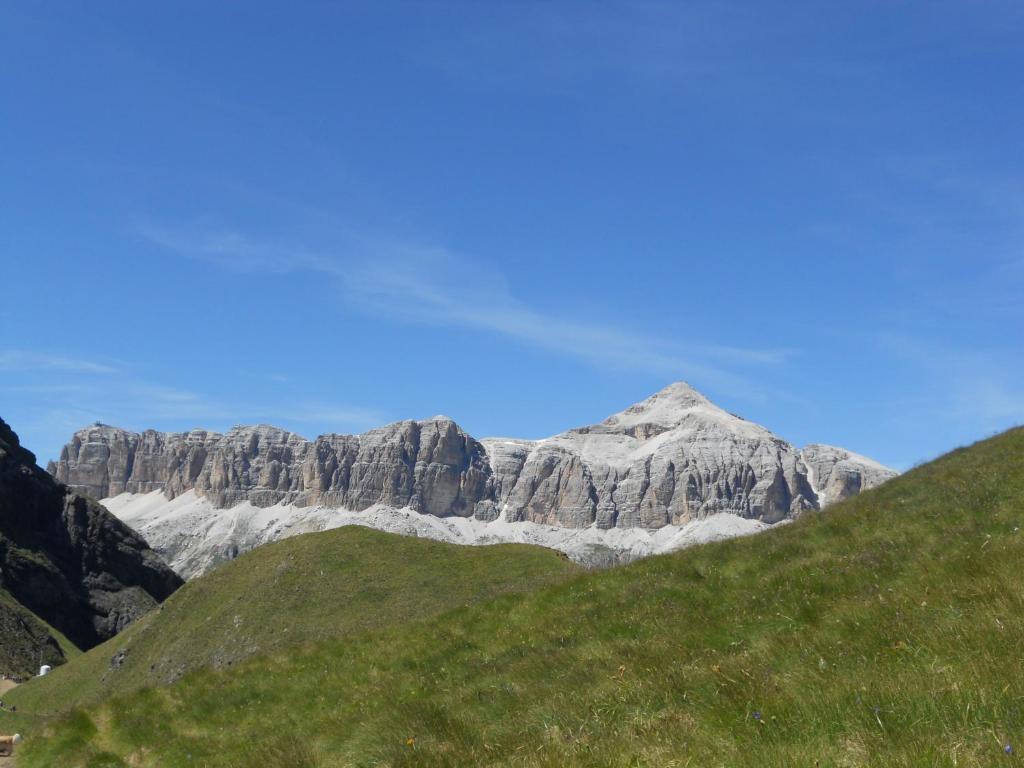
(430, 466)
(102, 461)
(668, 460)
(839, 474)
(66, 558)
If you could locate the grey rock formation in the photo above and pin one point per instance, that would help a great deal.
(430, 466)
(838, 474)
(102, 461)
(66, 558)
(667, 461)
(670, 459)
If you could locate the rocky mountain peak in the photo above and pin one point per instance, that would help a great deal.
(678, 408)
(668, 407)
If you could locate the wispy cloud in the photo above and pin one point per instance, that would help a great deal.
(647, 44)
(325, 416)
(978, 387)
(234, 250)
(134, 404)
(47, 412)
(113, 397)
(435, 286)
(19, 360)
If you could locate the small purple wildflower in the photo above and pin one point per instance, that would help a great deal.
(1008, 749)
(757, 715)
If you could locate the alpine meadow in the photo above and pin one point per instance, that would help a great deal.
(530, 384)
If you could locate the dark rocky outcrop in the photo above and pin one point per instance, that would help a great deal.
(67, 559)
(26, 643)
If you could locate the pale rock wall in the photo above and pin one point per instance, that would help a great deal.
(669, 460)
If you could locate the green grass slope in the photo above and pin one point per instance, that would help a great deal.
(888, 631)
(26, 641)
(290, 594)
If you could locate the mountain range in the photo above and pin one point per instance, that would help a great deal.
(670, 471)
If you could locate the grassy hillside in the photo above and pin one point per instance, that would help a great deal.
(290, 594)
(26, 641)
(888, 631)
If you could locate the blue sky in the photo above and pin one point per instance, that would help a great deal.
(527, 216)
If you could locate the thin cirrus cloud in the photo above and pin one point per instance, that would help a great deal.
(48, 413)
(434, 286)
(324, 414)
(23, 361)
(137, 403)
(975, 386)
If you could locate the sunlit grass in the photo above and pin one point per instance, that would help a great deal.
(888, 631)
(292, 594)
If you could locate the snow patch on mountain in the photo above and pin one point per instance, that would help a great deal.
(194, 536)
